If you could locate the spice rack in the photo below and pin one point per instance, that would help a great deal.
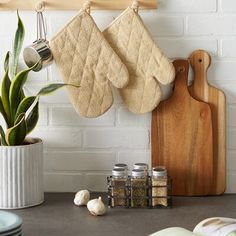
(127, 200)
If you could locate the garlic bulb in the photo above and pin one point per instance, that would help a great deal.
(96, 207)
(82, 197)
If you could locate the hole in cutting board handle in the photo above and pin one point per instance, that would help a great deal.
(200, 60)
(181, 69)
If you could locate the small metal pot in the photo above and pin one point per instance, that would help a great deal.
(40, 52)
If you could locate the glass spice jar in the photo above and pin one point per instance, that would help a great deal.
(141, 166)
(121, 165)
(159, 186)
(119, 191)
(138, 188)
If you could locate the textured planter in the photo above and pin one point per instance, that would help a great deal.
(21, 175)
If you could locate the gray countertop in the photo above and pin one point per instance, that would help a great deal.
(60, 217)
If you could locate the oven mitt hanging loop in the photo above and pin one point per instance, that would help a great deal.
(85, 58)
(147, 65)
(135, 6)
(87, 7)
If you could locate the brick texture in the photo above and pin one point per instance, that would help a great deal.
(80, 152)
(228, 5)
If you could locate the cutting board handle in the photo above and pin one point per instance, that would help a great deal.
(181, 71)
(200, 61)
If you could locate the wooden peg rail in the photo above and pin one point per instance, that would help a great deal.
(74, 4)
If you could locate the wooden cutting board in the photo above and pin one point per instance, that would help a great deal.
(182, 138)
(200, 61)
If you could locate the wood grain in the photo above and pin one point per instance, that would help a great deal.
(200, 61)
(182, 138)
(74, 4)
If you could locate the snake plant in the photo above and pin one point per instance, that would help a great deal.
(20, 112)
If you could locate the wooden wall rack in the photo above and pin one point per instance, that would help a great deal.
(74, 4)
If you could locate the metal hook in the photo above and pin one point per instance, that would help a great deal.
(41, 26)
(40, 6)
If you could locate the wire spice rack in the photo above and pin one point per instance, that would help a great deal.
(122, 195)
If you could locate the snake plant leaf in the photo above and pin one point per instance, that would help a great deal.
(19, 118)
(32, 118)
(16, 88)
(53, 87)
(6, 61)
(22, 95)
(3, 140)
(24, 105)
(18, 42)
(2, 111)
(16, 134)
(6, 83)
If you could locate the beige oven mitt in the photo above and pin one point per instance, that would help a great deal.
(85, 58)
(146, 64)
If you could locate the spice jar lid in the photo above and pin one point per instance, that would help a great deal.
(138, 173)
(119, 172)
(159, 171)
(121, 165)
(141, 166)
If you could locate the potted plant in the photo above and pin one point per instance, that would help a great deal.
(21, 158)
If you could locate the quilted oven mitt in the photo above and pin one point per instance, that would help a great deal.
(145, 62)
(85, 58)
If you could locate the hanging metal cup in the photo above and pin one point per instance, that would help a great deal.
(39, 52)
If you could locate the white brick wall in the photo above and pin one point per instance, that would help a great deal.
(80, 152)
(209, 25)
(228, 5)
(118, 138)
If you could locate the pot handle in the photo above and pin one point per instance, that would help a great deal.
(41, 26)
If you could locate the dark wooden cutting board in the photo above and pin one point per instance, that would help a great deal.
(200, 61)
(182, 138)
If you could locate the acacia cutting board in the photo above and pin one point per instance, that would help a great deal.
(182, 138)
(200, 61)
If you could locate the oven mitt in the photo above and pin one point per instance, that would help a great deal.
(85, 58)
(146, 64)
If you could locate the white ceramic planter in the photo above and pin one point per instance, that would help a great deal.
(21, 175)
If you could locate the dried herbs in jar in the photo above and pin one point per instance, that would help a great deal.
(119, 190)
(139, 188)
(159, 187)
